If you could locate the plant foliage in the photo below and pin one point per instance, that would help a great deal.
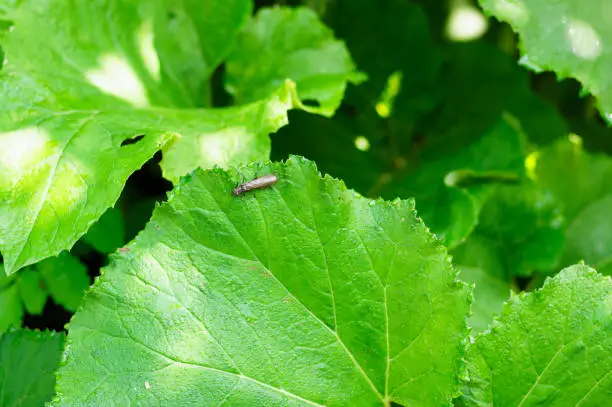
(437, 232)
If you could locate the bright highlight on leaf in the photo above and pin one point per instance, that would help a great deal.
(303, 293)
(116, 77)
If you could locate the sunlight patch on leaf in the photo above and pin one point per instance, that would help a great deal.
(146, 47)
(116, 77)
(584, 39)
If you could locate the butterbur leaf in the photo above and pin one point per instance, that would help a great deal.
(526, 226)
(108, 233)
(66, 279)
(11, 310)
(575, 177)
(589, 236)
(32, 290)
(551, 347)
(72, 135)
(490, 293)
(290, 43)
(28, 360)
(574, 43)
(302, 293)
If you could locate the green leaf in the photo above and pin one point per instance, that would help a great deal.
(11, 310)
(527, 227)
(66, 279)
(290, 43)
(303, 293)
(490, 293)
(192, 38)
(226, 136)
(551, 347)
(28, 360)
(63, 152)
(573, 44)
(33, 292)
(575, 177)
(589, 236)
(108, 233)
(449, 187)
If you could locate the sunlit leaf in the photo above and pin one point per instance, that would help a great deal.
(303, 293)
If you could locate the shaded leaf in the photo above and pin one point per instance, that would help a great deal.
(11, 310)
(450, 188)
(575, 177)
(108, 233)
(589, 236)
(32, 291)
(303, 293)
(28, 360)
(66, 279)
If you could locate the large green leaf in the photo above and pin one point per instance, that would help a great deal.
(28, 360)
(301, 294)
(82, 79)
(552, 347)
(567, 36)
(290, 43)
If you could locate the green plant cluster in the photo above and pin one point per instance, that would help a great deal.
(437, 231)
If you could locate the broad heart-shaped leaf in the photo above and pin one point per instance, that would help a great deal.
(290, 43)
(28, 360)
(303, 293)
(569, 37)
(61, 154)
(441, 184)
(552, 347)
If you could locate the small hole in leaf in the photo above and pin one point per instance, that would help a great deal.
(311, 103)
(171, 15)
(132, 140)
